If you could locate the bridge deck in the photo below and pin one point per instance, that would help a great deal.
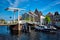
(17, 23)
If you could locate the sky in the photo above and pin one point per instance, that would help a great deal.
(42, 5)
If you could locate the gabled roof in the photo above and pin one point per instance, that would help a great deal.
(37, 12)
(50, 14)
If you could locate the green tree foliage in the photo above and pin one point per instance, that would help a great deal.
(47, 19)
(28, 19)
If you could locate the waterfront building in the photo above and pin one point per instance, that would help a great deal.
(35, 16)
(56, 18)
(31, 16)
(40, 19)
(37, 19)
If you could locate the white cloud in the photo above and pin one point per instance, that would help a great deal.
(24, 0)
(49, 6)
(16, 2)
(55, 3)
(10, 2)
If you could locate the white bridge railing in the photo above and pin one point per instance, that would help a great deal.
(20, 22)
(8, 22)
(23, 21)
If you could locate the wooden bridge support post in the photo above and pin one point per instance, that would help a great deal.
(29, 28)
(19, 28)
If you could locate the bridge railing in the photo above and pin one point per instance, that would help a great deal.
(21, 22)
(8, 22)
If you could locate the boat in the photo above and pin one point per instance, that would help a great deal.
(45, 28)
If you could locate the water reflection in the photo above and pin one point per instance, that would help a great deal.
(6, 35)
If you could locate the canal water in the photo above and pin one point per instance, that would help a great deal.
(34, 35)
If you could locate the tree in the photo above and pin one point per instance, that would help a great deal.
(3, 21)
(27, 19)
(47, 19)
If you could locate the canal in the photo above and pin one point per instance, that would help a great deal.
(34, 35)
